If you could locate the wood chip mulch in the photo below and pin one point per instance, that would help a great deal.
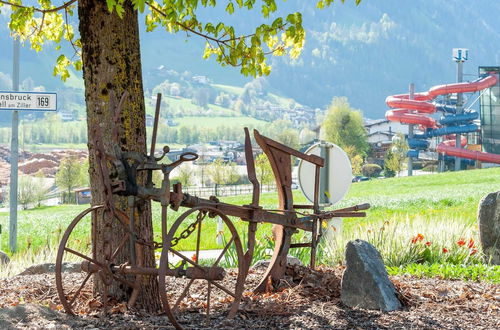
(306, 300)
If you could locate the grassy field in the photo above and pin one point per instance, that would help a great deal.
(197, 121)
(239, 91)
(180, 102)
(440, 207)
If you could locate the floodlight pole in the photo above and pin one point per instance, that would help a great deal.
(460, 55)
(14, 155)
(458, 136)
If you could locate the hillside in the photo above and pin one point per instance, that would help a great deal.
(364, 52)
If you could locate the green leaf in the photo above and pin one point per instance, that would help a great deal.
(139, 5)
(78, 65)
(119, 10)
(230, 8)
(111, 5)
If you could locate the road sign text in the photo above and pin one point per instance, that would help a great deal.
(28, 101)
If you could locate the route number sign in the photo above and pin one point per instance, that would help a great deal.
(28, 101)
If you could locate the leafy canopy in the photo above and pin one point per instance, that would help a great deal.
(40, 21)
(344, 126)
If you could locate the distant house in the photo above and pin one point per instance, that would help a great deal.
(382, 130)
(149, 121)
(380, 137)
(83, 196)
(380, 133)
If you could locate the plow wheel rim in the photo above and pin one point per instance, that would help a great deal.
(67, 304)
(238, 288)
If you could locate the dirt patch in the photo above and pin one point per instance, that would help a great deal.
(307, 299)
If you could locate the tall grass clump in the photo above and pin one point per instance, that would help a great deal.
(408, 241)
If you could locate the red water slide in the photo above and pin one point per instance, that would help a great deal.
(414, 111)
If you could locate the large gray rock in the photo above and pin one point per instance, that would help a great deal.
(365, 282)
(488, 218)
(4, 258)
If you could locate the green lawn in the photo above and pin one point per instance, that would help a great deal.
(180, 102)
(442, 207)
(229, 89)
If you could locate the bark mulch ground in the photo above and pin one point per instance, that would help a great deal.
(306, 300)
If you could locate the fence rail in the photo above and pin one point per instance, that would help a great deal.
(226, 190)
(217, 190)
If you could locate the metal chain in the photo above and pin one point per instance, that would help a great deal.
(189, 230)
(183, 235)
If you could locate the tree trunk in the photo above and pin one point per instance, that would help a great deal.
(112, 63)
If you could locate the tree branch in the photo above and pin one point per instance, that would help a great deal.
(218, 41)
(38, 10)
(160, 12)
(67, 29)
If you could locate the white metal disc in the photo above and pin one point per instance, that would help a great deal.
(337, 169)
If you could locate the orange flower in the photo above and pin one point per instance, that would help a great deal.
(428, 243)
(417, 238)
(461, 242)
(473, 251)
(194, 258)
(471, 243)
(445, 250)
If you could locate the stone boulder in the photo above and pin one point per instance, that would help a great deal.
(365, 282)
(488, 218)
(4, 258)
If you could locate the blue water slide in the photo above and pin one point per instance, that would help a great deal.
(446, 108)
(418, 144)
(412, 153)
(447, 130)
(459, 118)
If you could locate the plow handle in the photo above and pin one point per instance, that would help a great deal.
(355, 208)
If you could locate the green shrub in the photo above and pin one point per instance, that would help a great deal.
(371, 170)
(389, 173)
(476, 272)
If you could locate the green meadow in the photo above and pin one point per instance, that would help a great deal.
(440, 208)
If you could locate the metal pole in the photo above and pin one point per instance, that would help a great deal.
(14, 156)
(458, 142)
(410, 130)
(323, 176)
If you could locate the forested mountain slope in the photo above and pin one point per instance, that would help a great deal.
(364, 52)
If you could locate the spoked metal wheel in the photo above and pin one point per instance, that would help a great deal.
(196, 281)
(75, 250)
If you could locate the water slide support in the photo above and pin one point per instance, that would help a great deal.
(410, 130)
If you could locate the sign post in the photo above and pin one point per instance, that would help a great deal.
(20, 101)
(14, 153)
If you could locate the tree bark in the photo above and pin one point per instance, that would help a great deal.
(112, 63)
